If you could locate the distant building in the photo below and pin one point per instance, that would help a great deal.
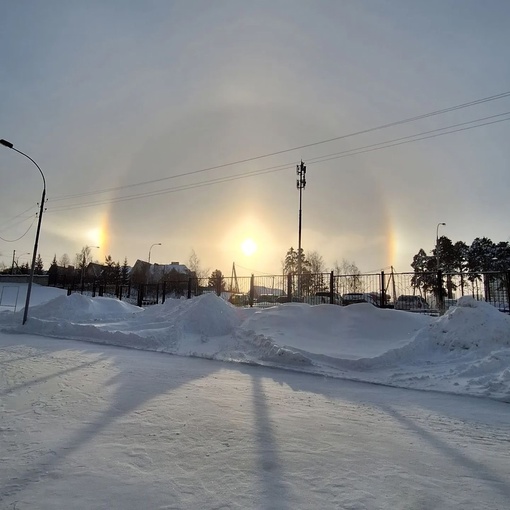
(144, 272)
(94, 271)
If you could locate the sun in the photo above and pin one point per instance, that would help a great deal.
(249, 247)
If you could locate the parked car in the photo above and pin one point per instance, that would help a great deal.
(324, 298)
(239, 299)
(450, 303)
(286, 299)
(267, 299)
(376, 296)
(358, 297)
(412, 304)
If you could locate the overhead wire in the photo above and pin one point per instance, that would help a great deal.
(312, 144)
(22, 236)
(5, 224)
(317, 160)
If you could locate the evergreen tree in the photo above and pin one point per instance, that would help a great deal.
(39, 266)
(425, 272)
(110, 273)
(53, 272)
(124, 272)
(291, 262)
(217, 281)
(480, 257)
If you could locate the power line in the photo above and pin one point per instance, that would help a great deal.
(253, 271)
(413, 138)
(17, 216)
(22, 236)
(319, 159)
(276, 153)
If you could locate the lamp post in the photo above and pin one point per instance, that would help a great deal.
(155, 244)
(437, 243)
(9, 145)
(15, 260)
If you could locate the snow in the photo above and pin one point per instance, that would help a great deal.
(272, 414)
(465, 351)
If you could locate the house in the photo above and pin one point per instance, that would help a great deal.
(144, 272)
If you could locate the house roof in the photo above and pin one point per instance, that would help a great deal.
(156, 271)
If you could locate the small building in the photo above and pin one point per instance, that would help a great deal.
(144, 272)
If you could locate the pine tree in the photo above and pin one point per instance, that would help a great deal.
(124, 272)
(217, 281)
(39, 266)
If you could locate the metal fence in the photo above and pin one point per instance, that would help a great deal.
(430, 293)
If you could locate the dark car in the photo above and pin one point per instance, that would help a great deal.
(324, 298)
(358, 297)
(286, 299)
(411, 304)
(239, 299)
(267, 299)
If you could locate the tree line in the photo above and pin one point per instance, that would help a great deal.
(469, 262)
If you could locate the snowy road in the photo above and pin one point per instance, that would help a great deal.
(86, 426)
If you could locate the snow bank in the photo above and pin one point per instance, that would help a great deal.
(465, 351)
(78, 308)
(470, 326)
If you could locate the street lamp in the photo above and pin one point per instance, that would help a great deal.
(437, 243)
(155, 244)
(15, 260)
(9, 145)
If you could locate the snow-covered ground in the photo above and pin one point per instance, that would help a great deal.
(88, 426)
(465, 351)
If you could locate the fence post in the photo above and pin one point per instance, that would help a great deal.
(507, 304)
(440, 297)
(382, 301)
(486, 294)
(218, 285)
(163, 292)
(140, 295)
(252, 289)
(120, 292)
(331, 284)
(157, 293)
(289, 287)
(189, 288)
(94, 289)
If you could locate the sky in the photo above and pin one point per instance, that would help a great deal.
(135, 111)
(256, 408)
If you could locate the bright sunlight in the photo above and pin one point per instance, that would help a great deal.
(249, 247)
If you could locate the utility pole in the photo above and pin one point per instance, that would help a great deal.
(301, 183)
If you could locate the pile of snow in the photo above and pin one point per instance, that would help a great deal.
(465, 351)
(78, 308)
(206, 315)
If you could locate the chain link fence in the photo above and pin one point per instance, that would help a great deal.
(429, 293)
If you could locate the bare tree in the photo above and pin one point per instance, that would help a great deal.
(349, 273)
(64, 261)
(316, 262)
(194, 266)
(84, 257)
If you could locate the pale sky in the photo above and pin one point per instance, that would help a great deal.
(119, 94)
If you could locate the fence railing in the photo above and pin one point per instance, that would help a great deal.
(430, 293)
